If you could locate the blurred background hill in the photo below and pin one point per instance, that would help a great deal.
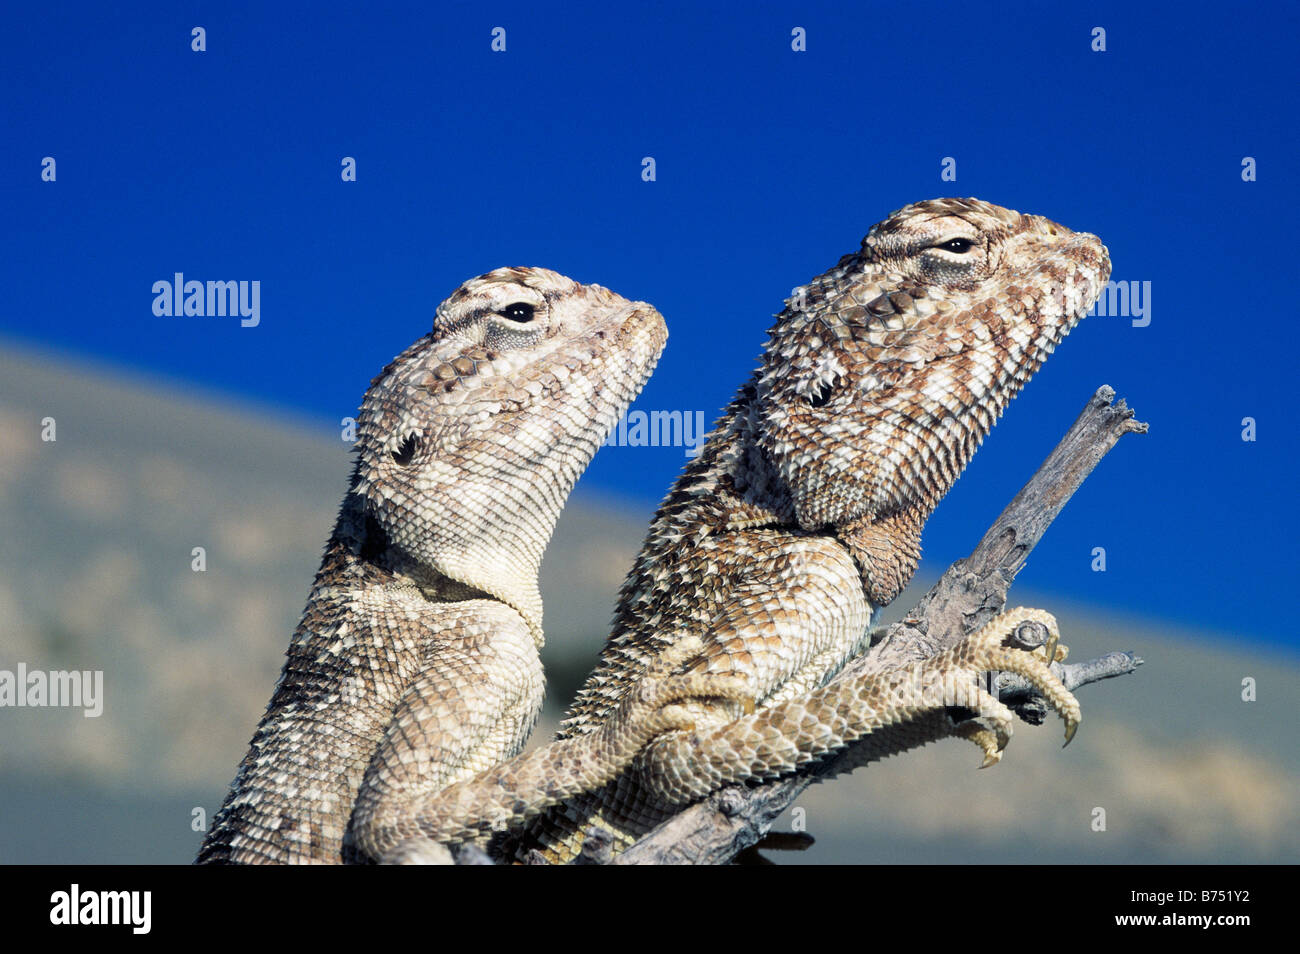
(95, 573)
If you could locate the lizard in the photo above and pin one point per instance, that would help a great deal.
(415, 666)
(802, 517)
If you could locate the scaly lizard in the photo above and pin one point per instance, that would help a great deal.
(802, 517)
(415, 666)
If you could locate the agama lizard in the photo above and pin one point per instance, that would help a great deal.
(415, 666)
(802, 517)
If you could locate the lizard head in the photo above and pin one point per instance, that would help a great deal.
(883, 375)
(471, 439)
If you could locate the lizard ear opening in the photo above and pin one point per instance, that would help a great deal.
(406, 451)
(820, 393)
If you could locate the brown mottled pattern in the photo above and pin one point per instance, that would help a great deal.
(415, 665)
(803, 514)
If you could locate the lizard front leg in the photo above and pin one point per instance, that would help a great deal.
(883, 713)
(415, 800)
(471, 704)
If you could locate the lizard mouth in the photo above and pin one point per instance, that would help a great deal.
(642, 334)
(1074, 278)
(638, 333)
(1077, 290)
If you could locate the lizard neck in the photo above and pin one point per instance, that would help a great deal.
(359, 553)
(730, 485)
(733, 486)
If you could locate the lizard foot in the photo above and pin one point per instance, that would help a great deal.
(1004, 645)
(990, 730)
(661, 701)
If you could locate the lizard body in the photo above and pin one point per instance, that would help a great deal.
(415, 666)
(802, 517)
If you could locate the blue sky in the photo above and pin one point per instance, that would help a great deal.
(225, 164)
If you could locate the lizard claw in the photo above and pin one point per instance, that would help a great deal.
(1049, 647)
(987, 739)
(990, 650)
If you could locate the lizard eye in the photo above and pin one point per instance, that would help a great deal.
(520, 311)
(404, 453)
(958, 245)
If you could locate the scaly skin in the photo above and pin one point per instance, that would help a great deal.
(415, 666)
(803, 514)
(516, 790)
